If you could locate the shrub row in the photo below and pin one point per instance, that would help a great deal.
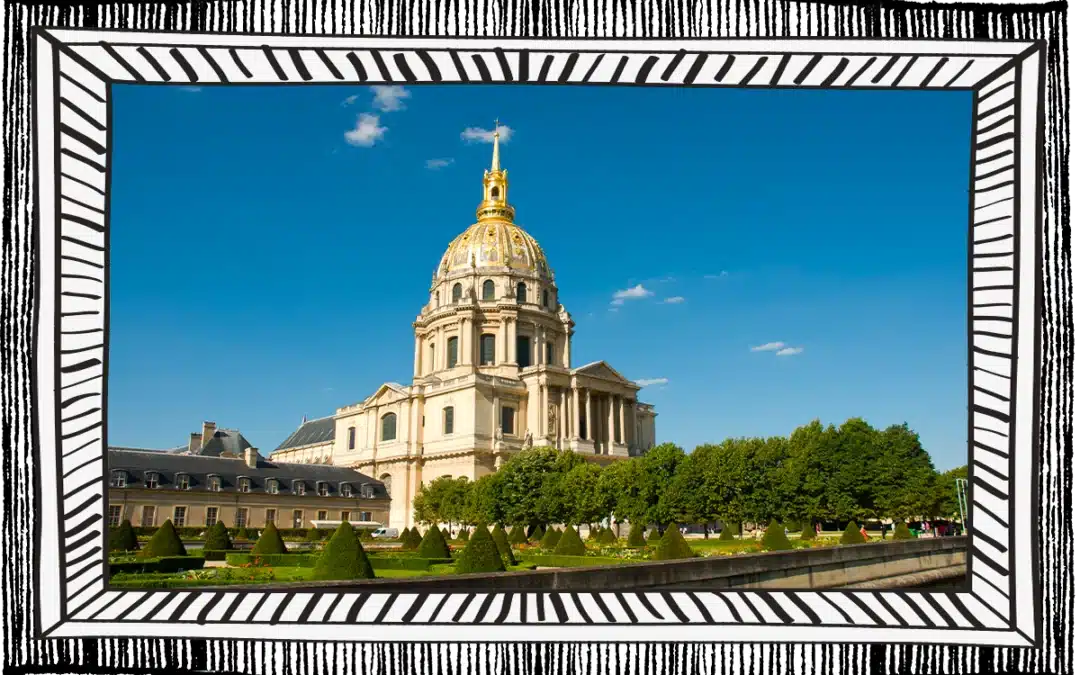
(570, 560)
(272, 560)
(403, 563)
(165, 565)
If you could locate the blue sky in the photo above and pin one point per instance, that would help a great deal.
(272, 245)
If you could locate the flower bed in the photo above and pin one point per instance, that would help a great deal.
(414, 563)
(544, 560)
(136, 565)
(272, 559)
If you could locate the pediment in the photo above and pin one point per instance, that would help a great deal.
(388, 393)
(602, 371)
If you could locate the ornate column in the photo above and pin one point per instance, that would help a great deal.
(440, 349)
(566, 349)
(545, 392)
(500, 342)
(588, 415)
(511, 347)
(628, 422)
(610, 399)
(575, 415)
(467, 341)
(417, 355)
(535, 346)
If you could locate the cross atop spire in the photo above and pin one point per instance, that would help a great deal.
(495, 148)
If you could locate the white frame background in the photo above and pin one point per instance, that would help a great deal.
(73, 78)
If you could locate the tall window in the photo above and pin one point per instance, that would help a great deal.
(148, 516)
(508, 420)
(271, 517)
(272, 486)
(456, 293)
(211, 516)
(549, 351)
(213, 483)
(448, 420)
(487, 349)
(523, 352)
(119, 479)
(114, 515)
(352, 438)
(242, 516)
(151, 480)
(345, 516)
(546, 297)
(365, 516)
(179, 516)
(522, 293)
(297, 519)
(451, 352)
(488, 290)
(183, 481)
(321, 515)
(389, 427)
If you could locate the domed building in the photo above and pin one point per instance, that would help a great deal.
(492, 374)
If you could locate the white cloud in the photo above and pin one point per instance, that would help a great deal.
(633, 293)
(789, 351)
(436, 164)
(367, 131)
(651, 381)
(388, 98)
(349, 100)
(676, 300)
(717, 276)
(768, 347)
(191, 89)
(478, 135)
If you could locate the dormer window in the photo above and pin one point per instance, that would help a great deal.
(367, 491)
(324, 489)
(272, 486)
(119, 479)
(346, 490)
(299, 488)
(244, 485)
(152, 480)
(183, 481)
(213, 483)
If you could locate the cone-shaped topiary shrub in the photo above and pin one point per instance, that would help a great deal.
(606, 536)
(463, 534)
(123, 538)
(775, 539)
(654, 534)
(445, 535)
(343, 558)
(901, 531)
(498, 534)
(635, 538)
(270, 542)
(165, 542)
(364, 534)
(433, 545)
(517, 535)
(808, 532)
(727, 533)
(404, 536)
(537, 533)
(411, 539)
(551, 538)
(672, 546)
(217, 538)
(570, 543)
(481, 554)
(852, 535)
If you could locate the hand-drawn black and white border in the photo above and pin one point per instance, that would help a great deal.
(75, 71)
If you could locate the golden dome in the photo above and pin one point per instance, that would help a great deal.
(494, 240)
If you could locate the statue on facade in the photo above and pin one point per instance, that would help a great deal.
(528, 441)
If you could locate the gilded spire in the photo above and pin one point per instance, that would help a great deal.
(495, 205)
(495, 149)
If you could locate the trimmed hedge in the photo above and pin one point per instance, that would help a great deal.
(463, 534)
(123, 538)
(548, 560)
(551, 538)
(433, 545)
(273, 560)
(217, 538)
(404, 563)
(269, 542)
(672, 546)
(636, 537)
(517, 535)
(213, 555)
(536, 533)
(775, 538)
(343, 558)
(852, 535)
(503, 544)
(901, 531)
(808, 532)
(654, 534)
(167, 565)
(606, 536)
(570, 543)
(165, 543)
(481, 554)
(726, 533)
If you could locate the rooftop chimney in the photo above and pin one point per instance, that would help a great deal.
(251, 457)
(208, 429)
(195, 442)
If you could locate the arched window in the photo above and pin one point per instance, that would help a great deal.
(451, 352)
(488, 290)
(521, 293)
(448, 420)
(545, 297)
(352, 438)
(508, 420)
(494, 193)
(487, 349)
(389, 427)
(385, 480)
(456, 293)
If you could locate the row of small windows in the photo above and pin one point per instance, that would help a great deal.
(389, 430)
(153, 479)
(147, 516)
(487, 293)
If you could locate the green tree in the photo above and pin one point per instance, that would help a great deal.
(854, 451)
(622, 483)
(530, 484)
(581, 493)
(659, 465)
(123, 538)
(343, 558)
(269, 542)
(484, 503)
(165, 542)
(904, 481)
(804, 475)
(946, 499)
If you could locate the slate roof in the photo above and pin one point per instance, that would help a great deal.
(312, 431)
(224, 443)
(137, 463)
